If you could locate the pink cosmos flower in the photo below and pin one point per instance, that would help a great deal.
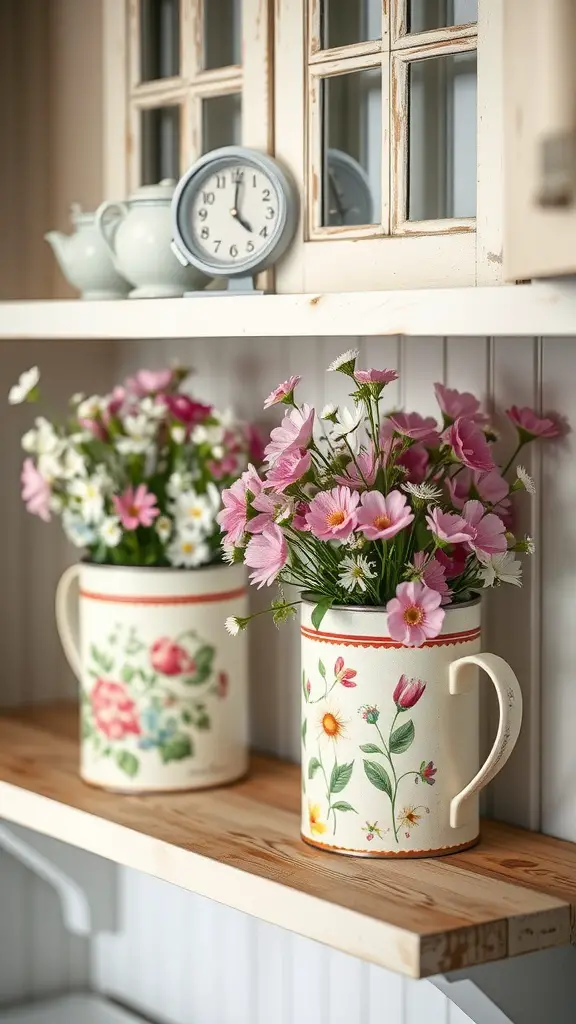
(469, 444)
(332, 514)
(381, 517)
(117, 399)
(415, 426)
(375, 376)
(289, 468)
(344, 675)
(360, 473)
(149, 382)
(255, 441)
(187, 410)
(267, 554)
(136, 508)
(268, 506)
(295, 431)
(415, 459)
(233, 517)
(226, 467)
(35, 491)
(407, 692)
(433, 575)
(169, 658)
(299, 520)
(283, 391)
(414, 615)
(489, 530)
(454, 562)
(94, 427)
(491, 487)
(527, 421)
(427, 773)
(448, 527)
(459, 403)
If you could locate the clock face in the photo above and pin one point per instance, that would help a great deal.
(234, 212)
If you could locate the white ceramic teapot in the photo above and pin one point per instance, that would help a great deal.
(139, 240)
(85, 260)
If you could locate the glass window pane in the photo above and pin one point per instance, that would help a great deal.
(442, 137)
(352, 148)
(222, 33)
(159, 39)
(221, 121)
(350, 21)
(160, 146)
(424, 15)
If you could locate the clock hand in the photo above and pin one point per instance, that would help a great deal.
(235, 210)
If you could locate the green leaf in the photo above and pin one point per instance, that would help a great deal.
(186, 717)
(127, 762)
(402, 738)
(320, 610)
(313, 766)
(176, 749)
(371, 748)
(203, 660)
(304, 731)
(343, 806)
(322, 668)
(304, 689)
(203, 721)
(378, 776)
(341, 775)
(127, 673)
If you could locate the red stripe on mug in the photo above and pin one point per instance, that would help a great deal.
(226, 595)
(449, 639)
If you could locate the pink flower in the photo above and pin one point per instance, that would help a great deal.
(149, 382)
(455, 562)
(282, 392)
(419, 428)
(35, 491)
(375, 376)
(267, 554)
(414, 615)
(222, 685)
(299, 520)
(458, 403)
(188, 411)
(427, 773)
(169, 658)
(448, 527)
(94, 427)
(255, 444)
(295, 431)
(489, 530)
(115, 713)
(233, 517)
(491, 487)
(226, 467)
(407, 692)
(344, 675)
(360, 473)
(268, 506)
(136, 508)
(381, 517)
(117, 399)
(415, 459)
(289, 468)
(433, 574)
(332, 514)
(528, 422)
(469, 444)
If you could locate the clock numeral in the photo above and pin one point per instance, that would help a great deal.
(220, 181)
(205, 233)
(208, 197)
(203, 213)
(264, 232)
(217, 244)
(270, 213)
(254, 181)
(266, 195)
(250, 247)
(237, 177)
(233, 250)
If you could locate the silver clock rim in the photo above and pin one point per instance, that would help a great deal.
(287, 212)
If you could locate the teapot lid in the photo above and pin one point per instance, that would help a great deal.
(78, 216)
(161, 192)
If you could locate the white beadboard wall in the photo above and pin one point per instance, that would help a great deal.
(185, 960)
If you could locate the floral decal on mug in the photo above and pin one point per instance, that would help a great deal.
(149, 697)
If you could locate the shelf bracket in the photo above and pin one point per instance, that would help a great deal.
(471, 1000)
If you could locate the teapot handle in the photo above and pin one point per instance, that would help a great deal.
(108, 227)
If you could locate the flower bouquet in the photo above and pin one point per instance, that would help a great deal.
(388, 523)
(136, 478)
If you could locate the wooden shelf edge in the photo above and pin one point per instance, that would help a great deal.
(536, 309)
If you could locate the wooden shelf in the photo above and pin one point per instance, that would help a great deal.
(240, 845)
(536, 309)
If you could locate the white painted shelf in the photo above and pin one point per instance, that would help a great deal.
(531, 309)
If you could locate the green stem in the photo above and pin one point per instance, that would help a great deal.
(390, 762)
(513, 457)
(330, 808)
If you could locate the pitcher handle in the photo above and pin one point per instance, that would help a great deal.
(108, 228)
(68, 636)
(509, 694)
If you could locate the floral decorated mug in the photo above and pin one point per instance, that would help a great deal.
(390, 734)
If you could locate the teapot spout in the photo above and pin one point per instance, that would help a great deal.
(57, 240)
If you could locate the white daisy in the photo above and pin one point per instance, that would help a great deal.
(211, 435)
(90, 496)
(346, 422)
(72, 463)
(27, 384)
(232, 625)
(423, 491)
(218, 452)
(345, 362)
(178, 433)
(152, 409)
(177, 483)
(213, 496)
(526, 479)
(188, 552)
(110, 531)
(328, 412)
(163, 527)
(89, 408)
(530, 545)
(353, 572)
(139, 432)
(502, 568)
(77, 397)
(50, 467)
(193, 512)
(42, 439)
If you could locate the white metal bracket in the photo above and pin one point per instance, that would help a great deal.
(471, 1000)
